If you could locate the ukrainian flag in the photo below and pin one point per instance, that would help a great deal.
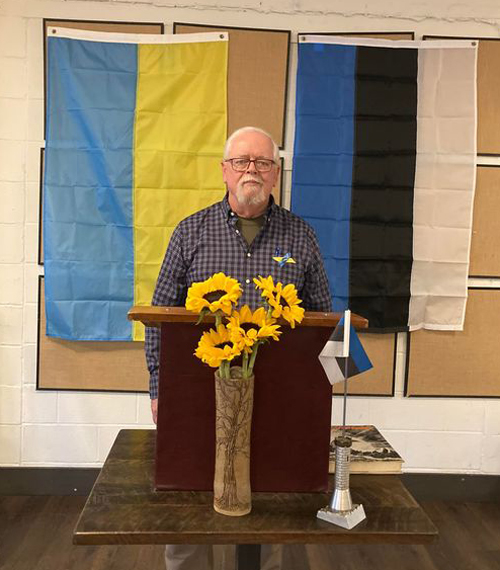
(136, 126)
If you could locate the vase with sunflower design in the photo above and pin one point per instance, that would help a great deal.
(231, 347)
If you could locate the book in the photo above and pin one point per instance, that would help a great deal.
(370, 452)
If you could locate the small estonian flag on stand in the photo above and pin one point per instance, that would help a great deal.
(343, 355)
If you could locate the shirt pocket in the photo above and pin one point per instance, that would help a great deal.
(293, 273)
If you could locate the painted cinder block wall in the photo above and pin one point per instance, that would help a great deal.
(76, 429)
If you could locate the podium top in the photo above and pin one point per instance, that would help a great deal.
(155, 316)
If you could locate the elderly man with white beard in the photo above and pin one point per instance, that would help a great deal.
(245, 235)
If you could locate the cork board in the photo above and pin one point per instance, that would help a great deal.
(105, 26)
(100, 366)
(485, 244)
(256, 92)
(488, 93)
(452, 363)
(379, 381)
(278, 189)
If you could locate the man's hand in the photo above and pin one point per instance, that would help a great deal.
(154, 409)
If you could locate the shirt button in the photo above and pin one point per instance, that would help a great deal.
(237, 231)
(247, 281)
(249, 254)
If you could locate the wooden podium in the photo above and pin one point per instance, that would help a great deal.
(292, 406)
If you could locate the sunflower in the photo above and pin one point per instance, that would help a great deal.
(284, 303)
(247, 328)
(216, 346)
(266, 285)
(218, 293)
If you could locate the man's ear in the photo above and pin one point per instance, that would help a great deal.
(224, 170)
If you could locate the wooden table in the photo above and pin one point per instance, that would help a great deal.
(124, 508)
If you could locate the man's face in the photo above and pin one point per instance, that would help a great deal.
(250, 188)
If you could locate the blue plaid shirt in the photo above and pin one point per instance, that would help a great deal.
(209, 241)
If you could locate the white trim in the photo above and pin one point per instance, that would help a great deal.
(433, 327)
(471, 216)
(119, 37)
(374, 42)
(347, 334)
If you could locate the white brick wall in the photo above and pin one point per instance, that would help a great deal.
(76, 429)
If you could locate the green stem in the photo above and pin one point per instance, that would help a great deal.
(244, 365)
(252, 358)
(224, 369)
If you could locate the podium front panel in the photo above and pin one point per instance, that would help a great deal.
(291, 417)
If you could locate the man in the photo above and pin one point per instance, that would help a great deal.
(243, 236)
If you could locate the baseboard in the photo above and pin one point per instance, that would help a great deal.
(47, 480)
(79, 481)
(453, 487)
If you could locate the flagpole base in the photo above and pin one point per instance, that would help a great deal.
(345, 519)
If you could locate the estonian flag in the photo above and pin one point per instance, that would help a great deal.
(343, 355)
(384, 171)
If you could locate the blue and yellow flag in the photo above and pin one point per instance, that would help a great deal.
(136, 126)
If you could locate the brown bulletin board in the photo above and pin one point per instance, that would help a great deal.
(488, 92)
(257, 76)
(458, 363)
(278, 190)
(100, 366)
(380, 380)
(485, 245)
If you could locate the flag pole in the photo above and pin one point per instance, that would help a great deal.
(345, 354)
(341, 510)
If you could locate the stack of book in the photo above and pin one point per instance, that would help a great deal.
(370, 452)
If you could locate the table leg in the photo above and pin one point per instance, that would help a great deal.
(247, 556)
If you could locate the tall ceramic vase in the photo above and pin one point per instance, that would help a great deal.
(233, 423)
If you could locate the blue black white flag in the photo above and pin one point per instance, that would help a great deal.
(384, 171)
(343, 355)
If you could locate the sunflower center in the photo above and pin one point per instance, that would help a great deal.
(249, 326)
(214, 295)
(222, 345)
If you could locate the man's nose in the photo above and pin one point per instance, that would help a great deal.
(251, 166)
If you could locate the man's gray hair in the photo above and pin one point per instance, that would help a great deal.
(238, 132)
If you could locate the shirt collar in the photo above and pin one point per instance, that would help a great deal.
(229, 214)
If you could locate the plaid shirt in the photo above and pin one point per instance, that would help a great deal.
(209, 242)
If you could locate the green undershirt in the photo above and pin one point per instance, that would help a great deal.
(250, 227)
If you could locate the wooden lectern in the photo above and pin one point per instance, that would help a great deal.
(292, 406)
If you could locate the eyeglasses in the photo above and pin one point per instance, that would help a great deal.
(241, 164)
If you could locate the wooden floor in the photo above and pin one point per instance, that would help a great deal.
(35, 534)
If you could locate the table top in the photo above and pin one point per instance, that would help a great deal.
(124, 508)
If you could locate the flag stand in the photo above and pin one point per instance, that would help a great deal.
(341, 510)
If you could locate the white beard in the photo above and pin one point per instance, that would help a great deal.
(250, 195)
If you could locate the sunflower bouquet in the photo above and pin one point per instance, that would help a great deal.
(239, 333)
